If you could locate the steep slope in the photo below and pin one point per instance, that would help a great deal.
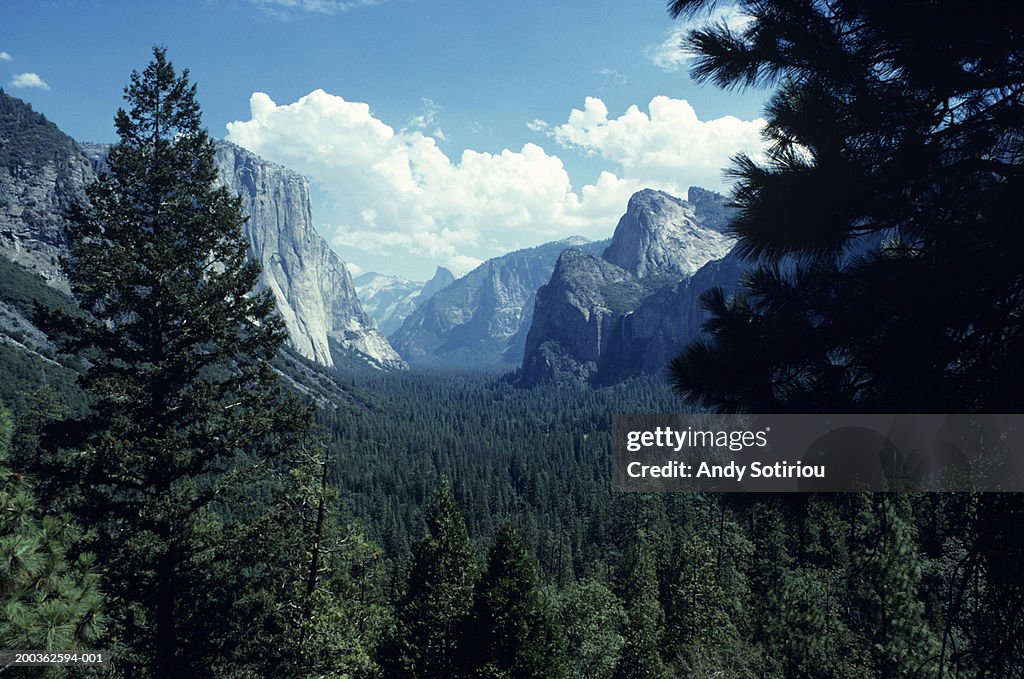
(645, 340)
(43, 172)
(480, 319)
(314, 291)
(573, 315)
(389, 299)
(630, 311)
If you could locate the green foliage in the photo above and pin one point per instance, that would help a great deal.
(49, 597)
(437, 596)
(593, 621)
(645, 628)
(510, 631)
(184, 448)
(887, 575)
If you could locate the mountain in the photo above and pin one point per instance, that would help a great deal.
(574, 313)
(389, 299)
(481, 319)
(43, 172)
(313, 288)
(601, 319)
(665, 236)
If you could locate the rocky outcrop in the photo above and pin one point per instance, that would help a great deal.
(314, 291)
(480, 320)
(389, 299)
(42, 173)
(574, 314)
(602, 319)
(663, 235)
(441, 279)
(645, 340)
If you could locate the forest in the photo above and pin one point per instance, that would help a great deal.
(170, 498)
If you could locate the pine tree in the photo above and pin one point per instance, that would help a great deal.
(48, 599)
(438, 594)
(511, 630)
(593, 621)
(183, 443)
(884, 228)
(645, 628)
(884, 218)
(887, 575)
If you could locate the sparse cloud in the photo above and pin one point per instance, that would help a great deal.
(29, 80)
(392, 192)
(5, 56)
(613, 76)
(427, 119)
(671, 55)
(327, 7)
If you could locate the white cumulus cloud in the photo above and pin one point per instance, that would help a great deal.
(5, 56)
(667, 144)
(389, 192)
(397, 190)
(670, 54)
(29, 80)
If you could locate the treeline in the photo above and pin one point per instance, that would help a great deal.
(640, 585)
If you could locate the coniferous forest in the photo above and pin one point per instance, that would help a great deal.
(196, 499)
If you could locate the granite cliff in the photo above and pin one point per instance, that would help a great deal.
(481, 319)
(602, 319)
(313, 288)
(43, 172)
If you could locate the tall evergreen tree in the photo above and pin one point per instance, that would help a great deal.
(48, 599)
(511, 631)
(645, 618)
(438, 594)
(895, 132)
(884, 225)
(887, 575)
(187, 425)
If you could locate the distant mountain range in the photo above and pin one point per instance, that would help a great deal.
(481, 320)
(389, 299)
(570, 309)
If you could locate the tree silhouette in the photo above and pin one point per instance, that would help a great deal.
(186, 420)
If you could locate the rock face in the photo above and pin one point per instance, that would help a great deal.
(663, 235)
(481, 319)
(645, 340)
(602, 319)
(314, 291)
(389, 299)
(43, 172)
(574, 315)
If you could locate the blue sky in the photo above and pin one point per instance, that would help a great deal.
(433, 132)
